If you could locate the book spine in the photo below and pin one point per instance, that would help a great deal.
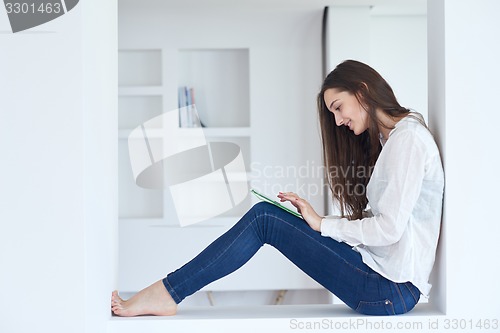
(194, 114)
(188, 107)
(183, 107)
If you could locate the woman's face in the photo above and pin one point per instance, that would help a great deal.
(347, 110)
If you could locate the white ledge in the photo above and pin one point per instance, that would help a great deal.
(266, 318)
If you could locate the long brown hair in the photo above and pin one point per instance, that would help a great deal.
(349, 159)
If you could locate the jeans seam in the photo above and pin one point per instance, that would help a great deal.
(401, 297)
(411, 292)
(173, 290)
(329, 249)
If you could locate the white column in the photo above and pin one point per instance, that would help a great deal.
(58, 208)
(464, 72)
(100, 132)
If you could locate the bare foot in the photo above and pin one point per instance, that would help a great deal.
(153, 300)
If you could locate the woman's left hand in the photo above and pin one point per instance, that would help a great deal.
(304, 208)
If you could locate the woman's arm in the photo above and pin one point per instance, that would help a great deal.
(394, 189)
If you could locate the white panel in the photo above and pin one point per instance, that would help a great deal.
(471, 123)
(139, 67)
(437, 124)
(135, 201)
(402, 60)
(348, 34)
(201, 198)
(135, 110)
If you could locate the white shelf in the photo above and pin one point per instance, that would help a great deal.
(140, 90)
(223, 132)
(210, 132)
(143, 220)
(162, 223)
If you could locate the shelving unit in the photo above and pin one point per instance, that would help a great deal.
(253, 86)
(220, 81)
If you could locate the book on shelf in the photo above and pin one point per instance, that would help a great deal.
(188, 115)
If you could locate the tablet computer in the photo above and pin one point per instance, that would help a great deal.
(266, 199)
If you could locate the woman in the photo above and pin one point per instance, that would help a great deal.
(378, 155)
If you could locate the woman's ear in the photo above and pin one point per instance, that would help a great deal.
(362, 94)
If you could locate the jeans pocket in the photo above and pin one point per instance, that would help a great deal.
(380, 308)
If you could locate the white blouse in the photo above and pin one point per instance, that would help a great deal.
(405, 192)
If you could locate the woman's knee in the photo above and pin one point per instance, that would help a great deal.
(256, 213)
(261, 214)
(263, 208)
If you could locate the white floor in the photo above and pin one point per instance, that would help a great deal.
(280, 318)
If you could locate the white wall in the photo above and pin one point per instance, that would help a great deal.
(464, 71)
(393, 42)
(57, 197)
(398, 49)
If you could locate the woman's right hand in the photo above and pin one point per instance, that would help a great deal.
(304, 208)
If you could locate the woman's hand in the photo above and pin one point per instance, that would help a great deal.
(304, 208)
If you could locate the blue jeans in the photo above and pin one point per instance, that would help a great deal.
(334, 265)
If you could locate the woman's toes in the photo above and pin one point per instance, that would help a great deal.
(117, 307)
(116, 303)
(115, 296)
